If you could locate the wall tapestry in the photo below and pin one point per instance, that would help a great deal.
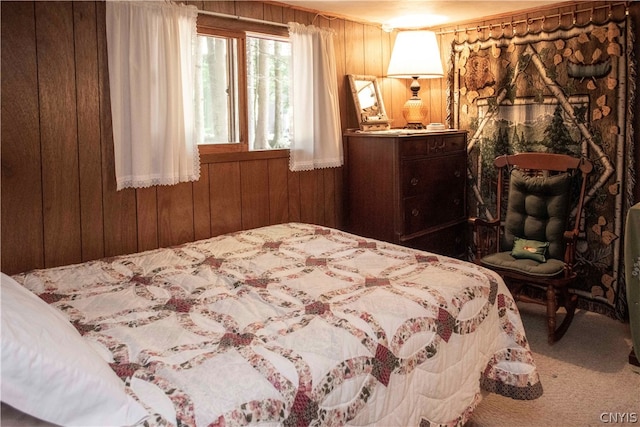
(566, 90)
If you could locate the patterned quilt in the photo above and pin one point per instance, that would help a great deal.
(297, 324)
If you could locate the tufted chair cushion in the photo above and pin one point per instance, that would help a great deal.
(537, 209)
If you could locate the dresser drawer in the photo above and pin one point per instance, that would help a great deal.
(431, 145)
(432, 209)
(425, 175)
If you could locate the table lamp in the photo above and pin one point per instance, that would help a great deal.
(416, 56)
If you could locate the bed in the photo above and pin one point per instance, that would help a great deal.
(290, 324)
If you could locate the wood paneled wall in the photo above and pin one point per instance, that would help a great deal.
(59, 203)
(59, 198)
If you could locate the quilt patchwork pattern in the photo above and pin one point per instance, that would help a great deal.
(297, 324)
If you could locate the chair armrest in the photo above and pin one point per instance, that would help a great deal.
(481, 222)
(486, 236)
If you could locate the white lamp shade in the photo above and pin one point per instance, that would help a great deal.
(415, 54)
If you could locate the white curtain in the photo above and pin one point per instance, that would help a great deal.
(317, 135)
(151, 74)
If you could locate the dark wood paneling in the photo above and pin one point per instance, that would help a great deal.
(329, 192)
(278, 190)
(228, 7)
(202, 205)
(175, 214)
(354, 47)
(88, 110)
(312, 196)
(226, 200)
(22, 217)
(147, 216)
(254, 189)
(288, 14)
(303, 17)
(250, 10)
(58, 132)
(273, 13)
(293, 179)
(373, 57)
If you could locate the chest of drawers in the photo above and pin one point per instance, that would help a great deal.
(408, 189)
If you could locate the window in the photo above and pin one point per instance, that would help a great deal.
(217, 113)
(268, 65)
(242, 90)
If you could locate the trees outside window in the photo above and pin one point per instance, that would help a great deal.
(216, 90)
(242, 90)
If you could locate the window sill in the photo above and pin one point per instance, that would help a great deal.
(207, 156)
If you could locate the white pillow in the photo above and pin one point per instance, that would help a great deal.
(48, 370)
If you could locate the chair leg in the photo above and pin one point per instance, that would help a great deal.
(569, 302)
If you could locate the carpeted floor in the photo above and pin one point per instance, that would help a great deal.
(586, 377)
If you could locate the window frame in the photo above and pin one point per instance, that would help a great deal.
(209, 25)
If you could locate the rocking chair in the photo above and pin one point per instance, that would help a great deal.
(534, 246)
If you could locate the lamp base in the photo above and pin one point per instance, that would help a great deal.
(414, 112)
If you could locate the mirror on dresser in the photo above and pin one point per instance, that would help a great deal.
(368, 102)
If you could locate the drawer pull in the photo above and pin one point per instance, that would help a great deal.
(414, 181)
(437, 146)
(457, 174)
(415, 212)
(456, 201)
